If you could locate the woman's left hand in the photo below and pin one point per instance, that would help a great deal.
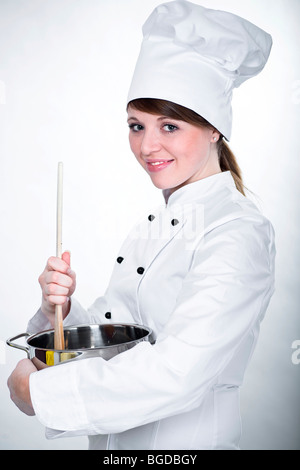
(18, 384)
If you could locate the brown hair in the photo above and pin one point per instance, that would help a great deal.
(227, 160)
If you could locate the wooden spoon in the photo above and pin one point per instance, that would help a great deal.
(59, 342)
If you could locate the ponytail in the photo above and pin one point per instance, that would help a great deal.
(227, 162)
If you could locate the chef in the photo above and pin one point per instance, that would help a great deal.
(199, 270)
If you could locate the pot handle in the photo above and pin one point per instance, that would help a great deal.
(18, 346)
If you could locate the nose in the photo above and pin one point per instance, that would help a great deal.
(150, 143)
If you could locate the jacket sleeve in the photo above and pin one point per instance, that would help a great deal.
(224, 296)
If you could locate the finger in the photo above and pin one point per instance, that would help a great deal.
(57, 264)
(55, 289)
(66, 256)
(57, 299)
(56, 277)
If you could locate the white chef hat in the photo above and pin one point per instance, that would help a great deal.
(194, 56)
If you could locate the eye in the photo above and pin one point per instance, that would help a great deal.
(170, 128)
(135, 127)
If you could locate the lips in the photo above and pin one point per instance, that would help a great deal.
(157, 165)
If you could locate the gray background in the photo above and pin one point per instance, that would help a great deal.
(65, 69)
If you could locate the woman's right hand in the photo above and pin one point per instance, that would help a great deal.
(58, 283)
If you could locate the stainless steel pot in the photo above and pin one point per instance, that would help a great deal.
(82, 341)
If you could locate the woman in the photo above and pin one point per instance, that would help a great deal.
(199, 271)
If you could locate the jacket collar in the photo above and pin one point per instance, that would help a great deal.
(200, 189)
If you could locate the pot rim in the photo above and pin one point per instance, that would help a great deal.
(149, 330)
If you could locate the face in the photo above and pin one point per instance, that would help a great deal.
(174, 153)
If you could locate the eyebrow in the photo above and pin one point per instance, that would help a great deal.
(132, 119)
(161, 118)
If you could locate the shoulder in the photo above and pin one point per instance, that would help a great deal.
(235, 229)
(229, 205)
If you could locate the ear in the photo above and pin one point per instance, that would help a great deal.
(215, 136)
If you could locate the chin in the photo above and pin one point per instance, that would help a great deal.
(160, 184)
(163, 183)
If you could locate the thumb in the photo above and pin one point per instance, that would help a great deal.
(66, 256)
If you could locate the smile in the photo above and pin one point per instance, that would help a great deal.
(157, 165)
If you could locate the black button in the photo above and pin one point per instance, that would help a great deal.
(140, 270)
(174, 222)
(108, 315)
(151, 217)
(120, 259)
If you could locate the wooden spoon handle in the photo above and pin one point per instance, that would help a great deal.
(59, 342)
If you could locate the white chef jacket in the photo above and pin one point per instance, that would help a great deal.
(207, 276)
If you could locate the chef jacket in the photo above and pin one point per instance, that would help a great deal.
(199, 271)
